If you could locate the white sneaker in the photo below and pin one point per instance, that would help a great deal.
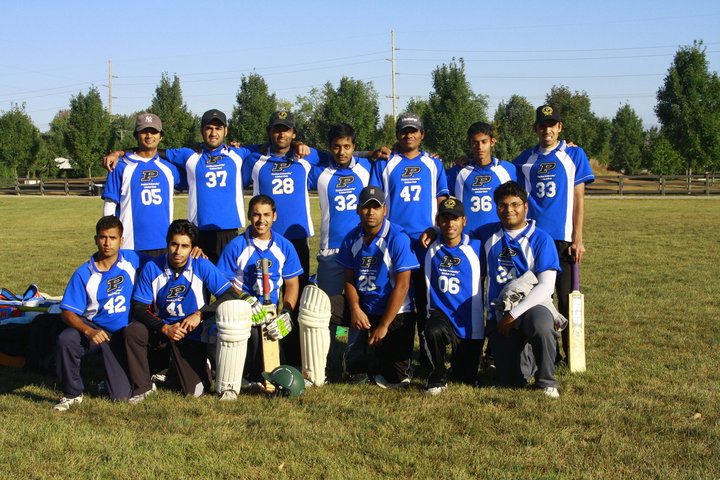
(381, 382)
(139, 398)
(435, 390)
(158, 378)
(551, 392)
(228, 396)
(64, 404)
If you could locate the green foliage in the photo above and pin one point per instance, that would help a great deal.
(306, 122)
(579, 123)
(180, 127)
(660, 156)
(253, 108)
(417, 105)
(513, 125)
(627, 141)
(452, 108)
(386, 133)
(88, 132)
(122, 128)
(20, 141)
(689, 108)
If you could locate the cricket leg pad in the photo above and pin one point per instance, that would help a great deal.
(314, 321)
(233, 331)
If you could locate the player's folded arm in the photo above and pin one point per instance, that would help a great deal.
(142, 313)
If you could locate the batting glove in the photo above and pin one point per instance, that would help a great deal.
(259, 315)
(280, 326)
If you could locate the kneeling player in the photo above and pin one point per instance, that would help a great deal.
(378, 263)
(455, 309)
(95, 308)
(241, 261)
(166, 309)
(510, 249)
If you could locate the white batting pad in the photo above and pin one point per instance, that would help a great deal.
(233, 331)
(314, 321)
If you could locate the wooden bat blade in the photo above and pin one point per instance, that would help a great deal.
(576, 332)
(270, 347)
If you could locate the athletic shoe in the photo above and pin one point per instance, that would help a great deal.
(356, 378)
(228, 396)
(551, 392)
(381, 382)
(254, 387)
(64, 404)
(435, 390)
(139, 398)
(158, 378)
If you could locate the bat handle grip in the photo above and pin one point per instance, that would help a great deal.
(575, 276)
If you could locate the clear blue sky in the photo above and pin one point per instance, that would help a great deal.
(616, 51)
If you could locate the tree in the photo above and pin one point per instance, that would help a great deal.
(660, 156)
(88, 131)
(579, 122)
(254, 106)
(513, 125)
(386, 133)
(627, 140)
(354, 102)
(20, 140)
(306, 122)
(418, 106)
(180, 127)
(452, 108)
(689, 108)
(122, 128)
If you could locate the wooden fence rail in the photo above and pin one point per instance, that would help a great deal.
(708, 184)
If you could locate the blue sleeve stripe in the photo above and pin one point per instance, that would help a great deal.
(148, 301)
(65, 306)
(293, 274)
(586, 179)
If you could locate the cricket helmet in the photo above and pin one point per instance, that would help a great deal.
(288, 381)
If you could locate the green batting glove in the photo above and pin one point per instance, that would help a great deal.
(259, 315)
(280, 326)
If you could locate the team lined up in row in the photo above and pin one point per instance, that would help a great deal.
(139, 190)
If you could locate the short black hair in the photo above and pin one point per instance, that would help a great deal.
(107, 222)
(262, 200)
(480, 127)
(510, 188)
(341, 130)
(183, 227)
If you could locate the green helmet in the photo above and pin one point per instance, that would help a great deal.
(288, 381)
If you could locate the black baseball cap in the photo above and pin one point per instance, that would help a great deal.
(546, 112)
(409, 120)
(211, 115)
(282, 117)
(372, 193)
(452, 206)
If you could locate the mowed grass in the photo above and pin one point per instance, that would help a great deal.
(648, 406)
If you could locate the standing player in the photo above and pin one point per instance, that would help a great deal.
(140, 190)
(166, 310)
(378, 262)
(240, 262)
(475, 183)
(414, 185)
(554, 175)
(95, 308)
(511, 248)
(455, 306)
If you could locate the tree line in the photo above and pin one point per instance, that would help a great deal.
(688, 110)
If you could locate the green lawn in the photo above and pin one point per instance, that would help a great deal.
(648, 406)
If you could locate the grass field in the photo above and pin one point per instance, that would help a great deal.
(648, 406)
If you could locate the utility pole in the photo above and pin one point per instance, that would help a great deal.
(394, 94)
(109, 85)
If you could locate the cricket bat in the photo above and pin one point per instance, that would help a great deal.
(576, 334)
(270, 348)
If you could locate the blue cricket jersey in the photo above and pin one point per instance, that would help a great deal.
(412, 186)
(174, 297)
(143, 190)
(505, 258)
(474, 186)
(240, 262)
(339, 190)
(376, 265)
(453, 277)
(215, 185)
(104, 297)
(285, 180)
(550, 180)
